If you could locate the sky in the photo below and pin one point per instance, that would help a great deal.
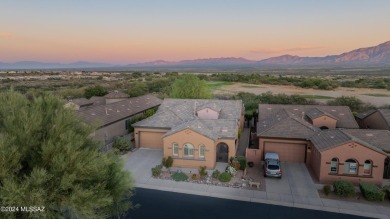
(132, 31)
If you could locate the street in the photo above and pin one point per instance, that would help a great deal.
(161, 204)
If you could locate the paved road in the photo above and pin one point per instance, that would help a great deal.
(160, 204)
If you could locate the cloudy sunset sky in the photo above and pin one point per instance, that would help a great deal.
(123, 32)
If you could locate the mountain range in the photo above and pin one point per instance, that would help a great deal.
(371, 56)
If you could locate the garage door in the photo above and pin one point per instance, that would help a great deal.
(151, 139)
(289, 152)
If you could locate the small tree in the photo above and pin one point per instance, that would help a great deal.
(96, 90)
(353, 103)
(167, 162)
(122, 144)
(47, 158)
(202, 171)
(137, 89)
(190, 87)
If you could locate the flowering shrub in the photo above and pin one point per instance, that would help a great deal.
(231, 170)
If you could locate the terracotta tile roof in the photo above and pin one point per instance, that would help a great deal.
(284, 124)
(212, 129)
(386, 115)
(116, 95)
(178, 114)
(344, 116)
(374, 139)
(315, 113)
(107, 114)
(365, 114)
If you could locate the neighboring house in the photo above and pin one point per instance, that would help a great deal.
(356, 155)
(374, 119)
(318, 136)
(113, 119)
(193, 132)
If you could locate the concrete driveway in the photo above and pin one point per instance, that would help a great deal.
(296, 185)
(140, 163)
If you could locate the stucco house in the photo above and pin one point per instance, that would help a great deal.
(193, 132)
(112, 117)
(317, 136)
(374, 119)
(356, 155)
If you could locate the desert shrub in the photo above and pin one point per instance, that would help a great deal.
(231, 159)
(235, 164)
(231, 170)
(344, 188)
(224, 177)
(167, 162)
(122, 144)
(156, 171)
(179, 176)
(242, 161)
(327, 189)
(216, 174)
(202, 171)
(96, 90)
(194, 176)
(371, 192)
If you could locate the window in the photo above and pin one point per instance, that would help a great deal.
(175, 149)
(350, 166)
(367, 167)
(202, 150)
(334, 165)
(188, 150)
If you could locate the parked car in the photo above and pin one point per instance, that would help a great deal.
(272, 166)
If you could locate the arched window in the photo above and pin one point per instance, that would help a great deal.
(175, 149)
(367, 167)
(202, 150)
(350, 166)
(334, 165)
(188, 150)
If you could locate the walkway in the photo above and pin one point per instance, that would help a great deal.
(244, 142)
(141, 162)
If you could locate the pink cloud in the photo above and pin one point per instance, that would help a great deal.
(5, 35)
(276, 50)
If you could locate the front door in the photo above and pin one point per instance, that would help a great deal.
(222, 153)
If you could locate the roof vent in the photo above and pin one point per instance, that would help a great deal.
(123, 105)
(93, 114)
(269, 108)
(341, 114)
(369, 134)
(109, 109)
(138, 106)
(331, 136)
(295, 109)
(117, 111)
(224, 129)
(128, 109)
(333, 110)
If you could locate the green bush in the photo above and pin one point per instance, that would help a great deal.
(167, 162)
(216, 174)
(179, 176)
(386, 189)
(344, 188)
(327, 189)
(202, 171)
(225, 177)
(242, 161)
(122, 144)
(371, 192)
(156, 171)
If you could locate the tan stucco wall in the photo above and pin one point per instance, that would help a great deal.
(325, 121)
(108, 133)
(196, 139)
(253, 155)
(208, 113)
(315, 161)
(375, 121)
(289, 141)
(138, 130)
(352, 151)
